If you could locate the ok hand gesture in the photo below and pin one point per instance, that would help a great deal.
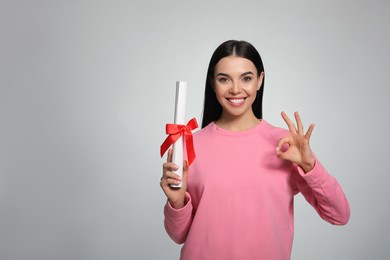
(298, 150)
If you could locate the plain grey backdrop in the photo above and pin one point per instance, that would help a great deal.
(86, 88)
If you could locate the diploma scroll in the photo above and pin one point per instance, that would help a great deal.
(180, 117)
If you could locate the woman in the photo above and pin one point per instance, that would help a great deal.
(236, 200)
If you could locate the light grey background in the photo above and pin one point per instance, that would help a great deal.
(86, 88)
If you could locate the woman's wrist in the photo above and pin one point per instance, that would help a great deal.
(308, 166)
(178, 204)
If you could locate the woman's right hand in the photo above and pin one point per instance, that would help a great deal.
(176, 196)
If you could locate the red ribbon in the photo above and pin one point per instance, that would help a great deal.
(175, 131)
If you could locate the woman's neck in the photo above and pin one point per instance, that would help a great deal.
(236, 124)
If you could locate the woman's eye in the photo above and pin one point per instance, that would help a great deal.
(222, 80)
(247, 78)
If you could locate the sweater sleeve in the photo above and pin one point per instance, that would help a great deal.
(324, 193)
(177, 222)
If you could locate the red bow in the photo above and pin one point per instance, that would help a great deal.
(175, 131)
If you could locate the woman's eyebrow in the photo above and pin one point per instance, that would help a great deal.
(227, 75)
(222, 74)
(247, 73)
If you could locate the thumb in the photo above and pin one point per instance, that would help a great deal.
(185, 175)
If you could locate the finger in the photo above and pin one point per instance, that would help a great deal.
(299, 123)
(170, 166)
(169, 181)
(281, 143)
(289, 123)
(309, 131)
(170, 174)
(169, 158)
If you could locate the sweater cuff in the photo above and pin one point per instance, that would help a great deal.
(172, 212)
(316, 176)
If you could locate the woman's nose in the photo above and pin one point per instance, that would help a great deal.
(235, 88)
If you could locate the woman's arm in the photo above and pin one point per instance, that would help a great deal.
(319, 188)
(323, 192)
(177, 222)
(178, 209)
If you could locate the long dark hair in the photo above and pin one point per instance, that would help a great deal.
(212, 110)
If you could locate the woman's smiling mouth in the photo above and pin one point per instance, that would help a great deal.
(236, 101)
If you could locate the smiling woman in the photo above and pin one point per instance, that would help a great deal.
(236, 83)
(251, 58)
(236, 200)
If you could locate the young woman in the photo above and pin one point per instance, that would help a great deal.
(236, 200)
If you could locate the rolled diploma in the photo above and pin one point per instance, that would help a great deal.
(180, 117)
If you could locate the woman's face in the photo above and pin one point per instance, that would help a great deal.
(236, 84)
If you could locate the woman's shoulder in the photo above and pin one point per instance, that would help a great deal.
(202, 132)
(272, 131)
(271, 127)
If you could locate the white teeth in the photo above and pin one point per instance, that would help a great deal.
(236, 101)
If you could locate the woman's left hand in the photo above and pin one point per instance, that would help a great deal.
(298, 150)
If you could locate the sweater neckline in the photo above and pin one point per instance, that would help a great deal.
(218, 130)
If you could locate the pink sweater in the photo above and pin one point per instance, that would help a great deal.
(240, 197)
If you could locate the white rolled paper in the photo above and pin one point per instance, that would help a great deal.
(180, 117)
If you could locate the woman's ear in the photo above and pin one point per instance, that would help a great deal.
(260, 80)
